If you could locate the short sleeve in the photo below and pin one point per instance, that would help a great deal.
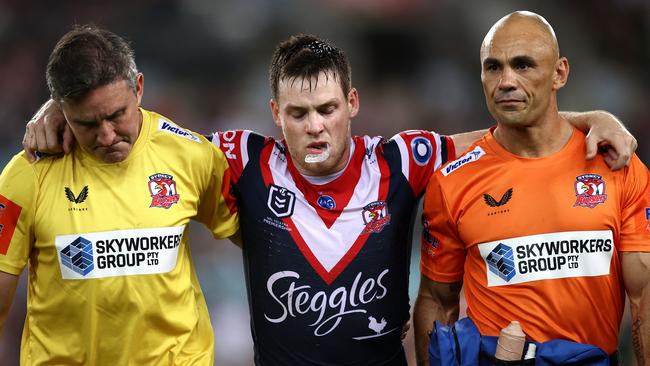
(443, 254)
(635, 229)
(18, 191)
(218, 214)
(421, 153)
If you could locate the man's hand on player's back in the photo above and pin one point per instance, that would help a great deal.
(47, 132)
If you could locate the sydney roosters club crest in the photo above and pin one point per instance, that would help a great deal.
(163, 190)
(590, 190)
(375, 217)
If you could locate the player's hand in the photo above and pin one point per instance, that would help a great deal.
(406, 328)
(609, 137)
(47, 132)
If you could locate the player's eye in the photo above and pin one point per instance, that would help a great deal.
(491, 67)
(327, 110)
(297, 114)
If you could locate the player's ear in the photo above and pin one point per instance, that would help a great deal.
(139, 86)
(353, 102)
(561, 73)
(275, 112)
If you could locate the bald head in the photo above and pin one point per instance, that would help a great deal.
(522, 25)
(521, 70)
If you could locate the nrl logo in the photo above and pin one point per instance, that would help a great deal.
(281, 201)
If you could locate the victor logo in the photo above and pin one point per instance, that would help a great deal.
(470, 157)
(169, 127)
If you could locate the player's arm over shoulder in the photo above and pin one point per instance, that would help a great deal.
(217, 207)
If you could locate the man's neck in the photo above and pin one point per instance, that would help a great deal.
(324, 179)
(537, 140)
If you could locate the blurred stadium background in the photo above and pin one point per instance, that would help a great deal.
(415, 64)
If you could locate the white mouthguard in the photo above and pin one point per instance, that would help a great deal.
(318, 158)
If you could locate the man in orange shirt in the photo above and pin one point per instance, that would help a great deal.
(532, 231)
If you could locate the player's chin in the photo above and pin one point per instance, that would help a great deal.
(512, 118)
(113, 156)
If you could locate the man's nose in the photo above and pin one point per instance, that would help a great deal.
(315, 123)
(105, 134)
(508, 80)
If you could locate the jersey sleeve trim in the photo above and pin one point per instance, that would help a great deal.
(401, 144)
(448, 150)
(243, 141)
(441, 152)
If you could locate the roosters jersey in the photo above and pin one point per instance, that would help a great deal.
(111, 281)
(537, 240)
(327, 264)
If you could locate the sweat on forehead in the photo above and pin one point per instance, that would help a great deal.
(520, 23)
(310, 82)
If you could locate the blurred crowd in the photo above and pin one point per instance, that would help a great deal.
(414, 62)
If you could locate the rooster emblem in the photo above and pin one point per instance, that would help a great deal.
(590, 190)
(376, 326)
(375, 217)
(163, 190)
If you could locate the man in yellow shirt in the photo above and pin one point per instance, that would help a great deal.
(104, 229)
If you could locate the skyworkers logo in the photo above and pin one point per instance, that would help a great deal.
(118, 253)
(501, 262)
(78, 256)
(547, 256)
